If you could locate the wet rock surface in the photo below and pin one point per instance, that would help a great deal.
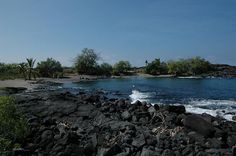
(85, 124)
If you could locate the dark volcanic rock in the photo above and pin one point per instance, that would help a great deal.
(14, 90)
(126, 115)
(198, 124)
(176, 109)
(115, 149)
(90, 125)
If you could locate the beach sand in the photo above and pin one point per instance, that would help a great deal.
(17, 83)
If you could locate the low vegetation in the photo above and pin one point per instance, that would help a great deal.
(182, 67)
(10, 71)
(122, 68)
(88, 62)
(13, 126)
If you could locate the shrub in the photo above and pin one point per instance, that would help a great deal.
(105, 69)
(9, 71)
(122, 67)
(49, 68)
(192, 66)
(13, 126)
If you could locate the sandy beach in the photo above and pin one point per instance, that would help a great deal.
(35, 83)
(18, 83)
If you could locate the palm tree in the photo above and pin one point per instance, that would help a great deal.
(23, 69)
(30, 62)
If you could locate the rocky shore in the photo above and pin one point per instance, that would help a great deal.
(89, 124)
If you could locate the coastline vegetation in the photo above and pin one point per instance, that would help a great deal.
(183, 67)
(88, 62)
(13, 126)
(50, 68)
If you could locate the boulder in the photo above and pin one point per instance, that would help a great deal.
(115, 149)
(151, 110)
(198, 124)
(234, 150)
(176, 109)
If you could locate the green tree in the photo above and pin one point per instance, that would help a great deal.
(154, 67)
(122, 67)
(86, 62)
(30, 63)
(178, 68)
(192, 66)
(49, 68)
(23, 69)
(106, 69)
(199, 65)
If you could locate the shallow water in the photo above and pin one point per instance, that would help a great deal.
(214, 96)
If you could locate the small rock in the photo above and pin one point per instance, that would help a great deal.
(151, 110)
(138, 142)
(147, 152)
(195, 137)
(156, 106)
(231, 140)
(126, 115)
(234, 150)
(134, 118)
(234, 118)
(115, 149)
(46, 135)
(213, 143)
(138, 103)
(168, 152)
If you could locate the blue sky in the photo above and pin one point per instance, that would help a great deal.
(134, 30)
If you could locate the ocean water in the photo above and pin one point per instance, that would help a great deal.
(215, 96)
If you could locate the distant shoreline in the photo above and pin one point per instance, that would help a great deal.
(33, 84)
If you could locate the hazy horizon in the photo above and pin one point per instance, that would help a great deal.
(134, 30)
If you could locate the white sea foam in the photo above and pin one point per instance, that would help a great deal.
(140, 96)
(190, 77)
(223, 108)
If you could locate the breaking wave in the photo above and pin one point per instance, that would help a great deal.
(222, 108)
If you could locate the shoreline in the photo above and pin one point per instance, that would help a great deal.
(75, 124)
(33, 84)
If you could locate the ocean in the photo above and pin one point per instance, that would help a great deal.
(215, 96)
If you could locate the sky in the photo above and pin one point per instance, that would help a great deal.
(133, 30)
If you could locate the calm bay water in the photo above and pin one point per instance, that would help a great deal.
(213, 96)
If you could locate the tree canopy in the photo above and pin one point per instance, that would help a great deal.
(121, 67)
(192, 66)
(106, 69)
(49, 68)
(86, 62)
